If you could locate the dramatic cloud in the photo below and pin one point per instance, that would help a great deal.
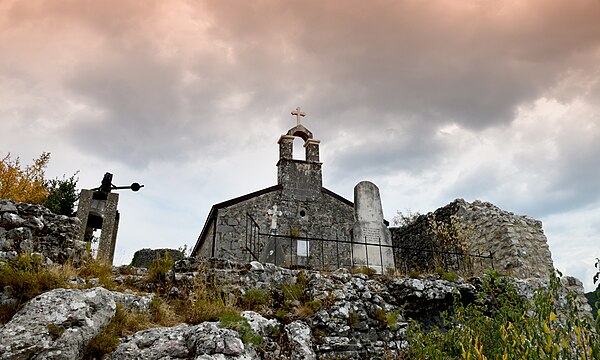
(497, 100)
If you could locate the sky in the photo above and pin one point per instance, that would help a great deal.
(430, 100)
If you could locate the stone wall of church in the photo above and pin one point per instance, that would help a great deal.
(325, 217)
(517, 243)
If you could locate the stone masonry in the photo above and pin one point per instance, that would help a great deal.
(284, 224)
(517, 243)
(27, 228)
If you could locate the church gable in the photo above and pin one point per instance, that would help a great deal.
(297, 207)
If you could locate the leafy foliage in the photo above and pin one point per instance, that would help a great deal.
(23, 184)
(62, 195)
(405, 219)
(502, 325)
(234, 321)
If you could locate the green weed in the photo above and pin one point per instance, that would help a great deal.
(234, 321)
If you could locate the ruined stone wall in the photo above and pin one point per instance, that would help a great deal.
(143, 258)
(35, 229)
(517, 243)
(326, 217)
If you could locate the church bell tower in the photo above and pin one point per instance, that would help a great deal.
(301, 179)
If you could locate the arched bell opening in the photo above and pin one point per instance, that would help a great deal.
(298, 150)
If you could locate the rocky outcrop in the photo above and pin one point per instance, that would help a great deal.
(35, 229)
(203, 341)
(330, 315)
(57, 324)
(300, 336)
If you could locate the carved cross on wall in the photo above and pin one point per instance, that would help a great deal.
(274, 214)
(298, 114)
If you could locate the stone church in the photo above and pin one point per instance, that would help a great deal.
(300, 223)
(286, 223)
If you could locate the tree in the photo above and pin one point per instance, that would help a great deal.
(62, 195)
(24, 184)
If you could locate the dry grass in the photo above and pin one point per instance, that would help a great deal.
(124, 323)
(206, 303)
(27, 278)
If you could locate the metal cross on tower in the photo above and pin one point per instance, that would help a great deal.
(298, 114)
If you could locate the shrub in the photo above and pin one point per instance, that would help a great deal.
(446, 275)
(387, 319)
(62, 195)
(502, 325)
(162, 313)
(157, 271)
(414, 274)
(23, 184)
(295, 292)
(392, 319)
(254, 298)
(294, 301)
(380, 315)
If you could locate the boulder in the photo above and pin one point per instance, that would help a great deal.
(203, 341)
(57, 324)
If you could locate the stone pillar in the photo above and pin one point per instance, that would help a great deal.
(312, 150)
(83, 212)
(286, 147)
(371, 239)
(113, 242)
(108, 235)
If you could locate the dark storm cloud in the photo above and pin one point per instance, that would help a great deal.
(469, 64)
(176, 86)
(451, 98)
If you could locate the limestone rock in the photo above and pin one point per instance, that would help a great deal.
(259, 324)
(300, 338)
(203, 341)
(57, 324)
(133, 302)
